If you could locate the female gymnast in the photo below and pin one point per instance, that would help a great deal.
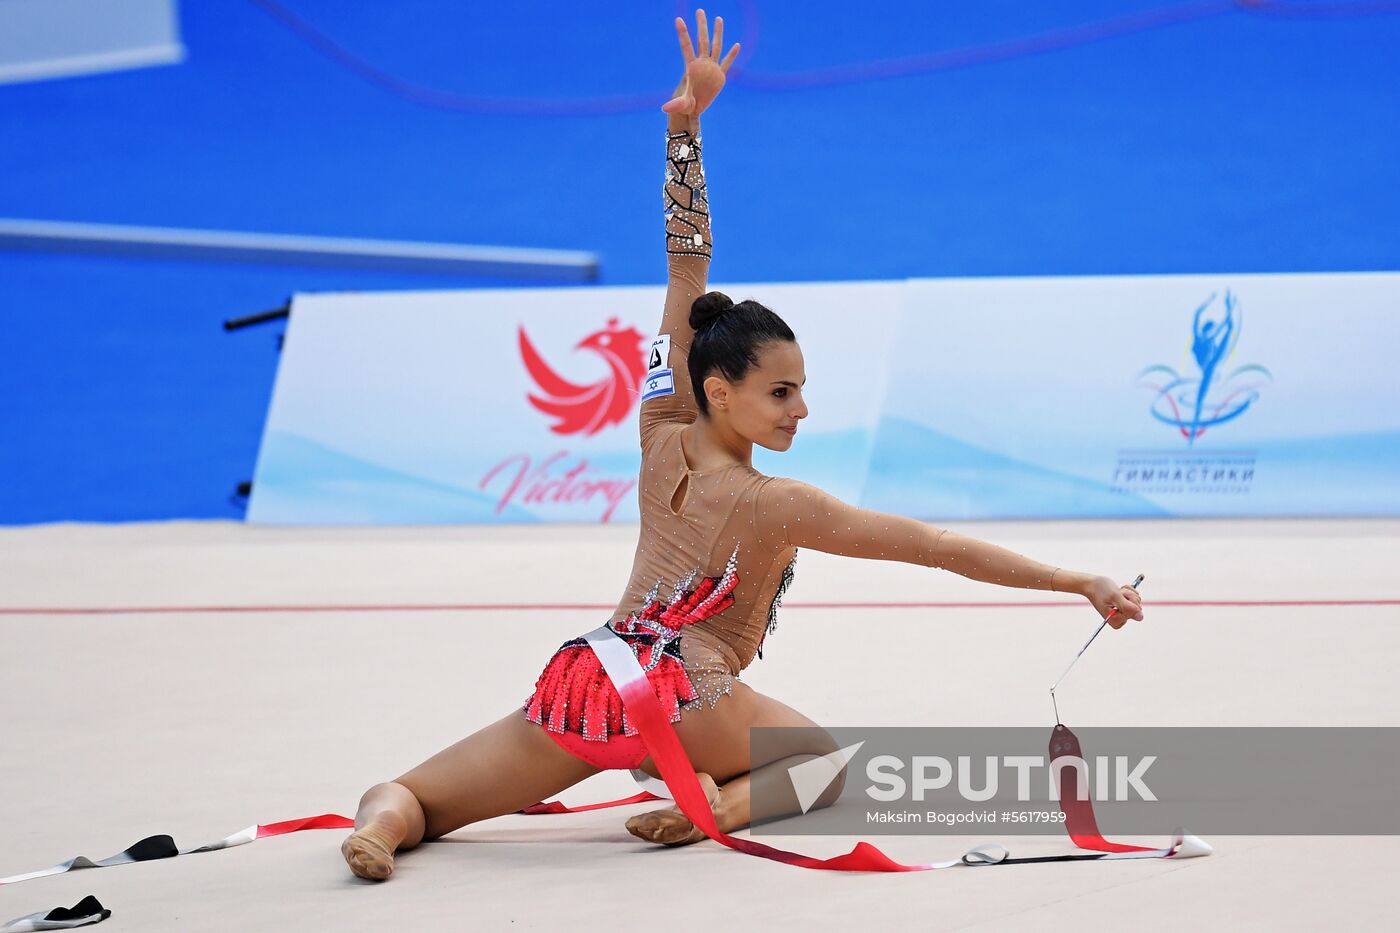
(715, 552)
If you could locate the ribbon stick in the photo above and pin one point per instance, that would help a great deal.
(1135, 584)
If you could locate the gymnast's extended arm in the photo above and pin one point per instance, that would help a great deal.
(687, 223)
(797, 514)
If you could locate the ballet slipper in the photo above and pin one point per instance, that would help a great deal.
(671, 827)
(369, 850)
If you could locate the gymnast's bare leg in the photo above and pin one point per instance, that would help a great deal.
(513, 763)
(500, 769)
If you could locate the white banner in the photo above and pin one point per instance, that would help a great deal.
(1146, 395)
(977, 398)
(521, 405)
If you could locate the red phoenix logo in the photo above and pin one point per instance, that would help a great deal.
(587, 409)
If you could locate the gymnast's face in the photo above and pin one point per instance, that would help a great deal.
(765, 406)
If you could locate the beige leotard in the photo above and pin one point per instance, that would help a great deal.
(696, 522)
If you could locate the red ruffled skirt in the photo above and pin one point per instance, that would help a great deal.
(575, 700)
(580, 709)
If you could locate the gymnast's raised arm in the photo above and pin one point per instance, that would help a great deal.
(667, 394)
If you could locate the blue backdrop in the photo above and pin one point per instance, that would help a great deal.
(877, 140)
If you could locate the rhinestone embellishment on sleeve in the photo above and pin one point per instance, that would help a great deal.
(687, 207)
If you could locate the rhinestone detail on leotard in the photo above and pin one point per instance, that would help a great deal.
(686, 202)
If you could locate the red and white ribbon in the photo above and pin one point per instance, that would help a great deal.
(671, 760)
(681, 785)
(86, 912)
(158, 847)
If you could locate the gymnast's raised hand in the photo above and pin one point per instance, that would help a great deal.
(704, 70)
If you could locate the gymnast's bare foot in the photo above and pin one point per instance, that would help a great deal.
(369, 850)
(671, 827)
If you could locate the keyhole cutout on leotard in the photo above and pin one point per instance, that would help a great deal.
(682, 490)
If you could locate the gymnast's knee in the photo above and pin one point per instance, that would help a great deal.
(822, 744)
(833, 790)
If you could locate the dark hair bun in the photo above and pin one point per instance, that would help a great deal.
(708, 307)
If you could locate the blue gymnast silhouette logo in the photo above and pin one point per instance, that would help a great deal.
(1191, 405)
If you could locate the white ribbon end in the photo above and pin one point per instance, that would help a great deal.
(1189, 846)
(988, 853)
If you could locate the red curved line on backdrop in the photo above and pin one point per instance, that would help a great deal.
(1051, 41)
(608, 607)
(451, 100)
(1320, 10)
(1002, 50)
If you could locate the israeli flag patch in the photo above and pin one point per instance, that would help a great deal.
(658, 384)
